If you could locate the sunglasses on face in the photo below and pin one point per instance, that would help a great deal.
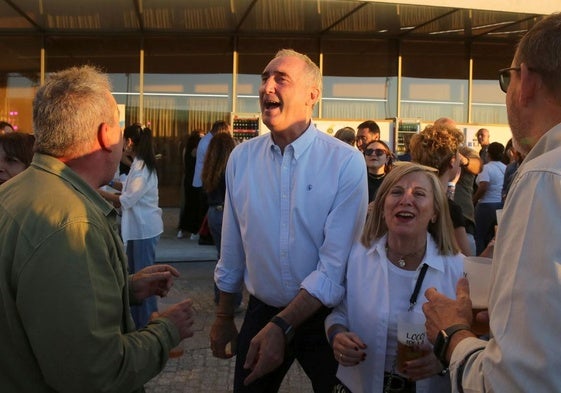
(376, 152)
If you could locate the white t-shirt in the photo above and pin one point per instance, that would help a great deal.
(493, 173)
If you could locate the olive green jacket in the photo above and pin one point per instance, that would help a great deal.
(64, 295)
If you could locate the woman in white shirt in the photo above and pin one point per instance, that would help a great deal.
(408, 229)
(488, 196)
(141, 223)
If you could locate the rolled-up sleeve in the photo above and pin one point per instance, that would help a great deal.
(343, 227)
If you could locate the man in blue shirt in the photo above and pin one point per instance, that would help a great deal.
(295, 201)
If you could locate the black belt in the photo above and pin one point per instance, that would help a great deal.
(398, 384)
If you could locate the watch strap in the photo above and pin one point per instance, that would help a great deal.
(450, 331)
(286, 328)
(446, 335)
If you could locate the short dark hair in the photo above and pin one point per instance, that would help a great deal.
(371, 125)
(496, 151)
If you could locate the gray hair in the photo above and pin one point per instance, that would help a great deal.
(312, 70)
(68, 110)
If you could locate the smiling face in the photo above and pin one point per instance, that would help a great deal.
(286, 94)
(364, 137)
(409, 206)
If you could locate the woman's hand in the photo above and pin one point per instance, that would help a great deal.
(423, 367)
(348, 349)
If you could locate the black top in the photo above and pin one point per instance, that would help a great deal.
(374, 182)
(456, 214)
(216, 196)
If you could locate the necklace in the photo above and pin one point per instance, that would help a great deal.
(401, 261)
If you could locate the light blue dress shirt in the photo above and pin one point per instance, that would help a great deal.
(290, 219)
(202, 147)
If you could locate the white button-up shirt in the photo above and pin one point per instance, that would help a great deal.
(524, 354)
(290, 219)
(142, 218)
(366, 310)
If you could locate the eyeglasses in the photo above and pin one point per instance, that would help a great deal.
(504, 77)
(376, 152)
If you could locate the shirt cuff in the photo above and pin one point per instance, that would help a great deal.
(322, 288)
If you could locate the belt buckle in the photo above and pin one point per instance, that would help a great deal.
(219, 208)
(397, 383)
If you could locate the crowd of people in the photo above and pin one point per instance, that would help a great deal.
(336, 240)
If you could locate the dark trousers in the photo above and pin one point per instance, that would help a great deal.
(309, 347)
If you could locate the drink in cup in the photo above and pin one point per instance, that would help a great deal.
(478, 272)
(411, 336)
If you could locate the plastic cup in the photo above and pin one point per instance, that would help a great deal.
(478, 272)
(411, 336)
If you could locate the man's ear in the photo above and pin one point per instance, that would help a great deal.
(103, 137)
(314, 95)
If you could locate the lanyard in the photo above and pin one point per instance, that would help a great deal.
(415, 294)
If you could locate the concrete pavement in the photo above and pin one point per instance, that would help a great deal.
(197, 370)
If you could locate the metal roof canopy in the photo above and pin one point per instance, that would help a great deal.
(214, 28)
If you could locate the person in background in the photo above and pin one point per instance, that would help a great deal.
(16, 153)
(189, 212)
(296, 199)
(438, 147)
(141, 223)
(65, 319)
(214, 184)
(367, 131)
(483, 140)
(6, 128)
(347, 135)
(488, 196)
(409, 229)
(379, 161)
(463, 188)
(522, 354)
(515, 158)
(217, 126)
(406, 155)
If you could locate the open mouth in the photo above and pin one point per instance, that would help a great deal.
(271, 104)
(405, 215)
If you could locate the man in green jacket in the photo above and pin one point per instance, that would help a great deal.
(64, 289)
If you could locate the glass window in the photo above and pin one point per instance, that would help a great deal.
(187, 87)
(430, 99)
(357, 81)
(427, 98)
(19, 77)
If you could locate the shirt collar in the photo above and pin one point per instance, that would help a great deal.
(302, 143)
(431, 258)
(60, 169)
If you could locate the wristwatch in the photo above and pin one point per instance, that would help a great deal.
(443, 341)
(286, 328)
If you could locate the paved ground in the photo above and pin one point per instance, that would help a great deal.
(197, 370)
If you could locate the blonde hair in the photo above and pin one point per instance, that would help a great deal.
(441, 230)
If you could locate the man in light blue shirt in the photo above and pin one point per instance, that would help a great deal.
(296, 200)
(202, 147)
